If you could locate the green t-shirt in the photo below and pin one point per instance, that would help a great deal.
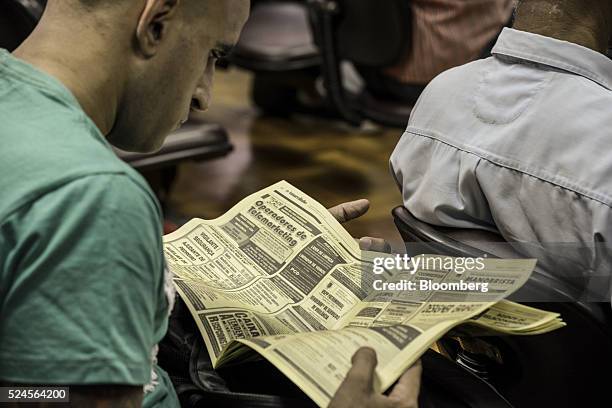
(82, 297)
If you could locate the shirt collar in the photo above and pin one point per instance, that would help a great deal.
(555, 53)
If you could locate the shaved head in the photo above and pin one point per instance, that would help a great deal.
(584, 22)
(568, 10)
(137, 67)
(191, 8)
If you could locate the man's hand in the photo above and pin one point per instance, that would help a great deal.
(357, 389)
(354, 209)
(349, 211)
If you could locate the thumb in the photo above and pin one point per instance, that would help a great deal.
(360, 377)
(348, 211)
(357, 385)
(406, 390)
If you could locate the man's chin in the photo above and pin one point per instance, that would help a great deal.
(148, 146)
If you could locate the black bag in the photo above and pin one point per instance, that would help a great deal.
(183, 354)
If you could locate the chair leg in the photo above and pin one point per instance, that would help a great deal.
(322, 14)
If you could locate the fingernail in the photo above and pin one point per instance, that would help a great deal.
(365, 243)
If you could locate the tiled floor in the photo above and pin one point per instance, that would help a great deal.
(330, 162)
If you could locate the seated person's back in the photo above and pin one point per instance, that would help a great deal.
(519, 143)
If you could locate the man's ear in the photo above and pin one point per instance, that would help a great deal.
(153, 25)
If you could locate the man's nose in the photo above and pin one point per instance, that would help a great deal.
(201, 97)
(200, 101)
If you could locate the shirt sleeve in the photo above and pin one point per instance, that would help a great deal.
(439, 184)
(82, 286)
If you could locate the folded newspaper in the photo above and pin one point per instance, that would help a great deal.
(278, 277)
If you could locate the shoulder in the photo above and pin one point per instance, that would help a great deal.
(450, 91)
(43, 160)
(117, 194)
(120, 192)
(102, 208)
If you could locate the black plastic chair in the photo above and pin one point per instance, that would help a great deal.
(289, 42)
(17, 20)
(277, 44)
(277, 37)
(370, 34)
(561, 369)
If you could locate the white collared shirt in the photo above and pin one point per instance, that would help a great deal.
(520, 142)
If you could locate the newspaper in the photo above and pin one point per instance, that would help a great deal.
(506, 317)
(278, 275)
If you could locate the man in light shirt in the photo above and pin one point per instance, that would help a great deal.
(520, 143)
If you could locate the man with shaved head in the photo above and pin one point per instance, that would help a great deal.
(84, 296)
(519, 143)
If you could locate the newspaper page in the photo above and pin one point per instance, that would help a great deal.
(279, 274)
(276, 263)
(506, 317)
(399, 325)
(436, 292)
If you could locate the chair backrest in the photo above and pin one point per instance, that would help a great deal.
(368, 33)
(17, 20)
(555, 369)
(276, 38)
(373, 33)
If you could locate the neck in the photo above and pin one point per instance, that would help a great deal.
(81, 61)
(588, 29)
(578, 35)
